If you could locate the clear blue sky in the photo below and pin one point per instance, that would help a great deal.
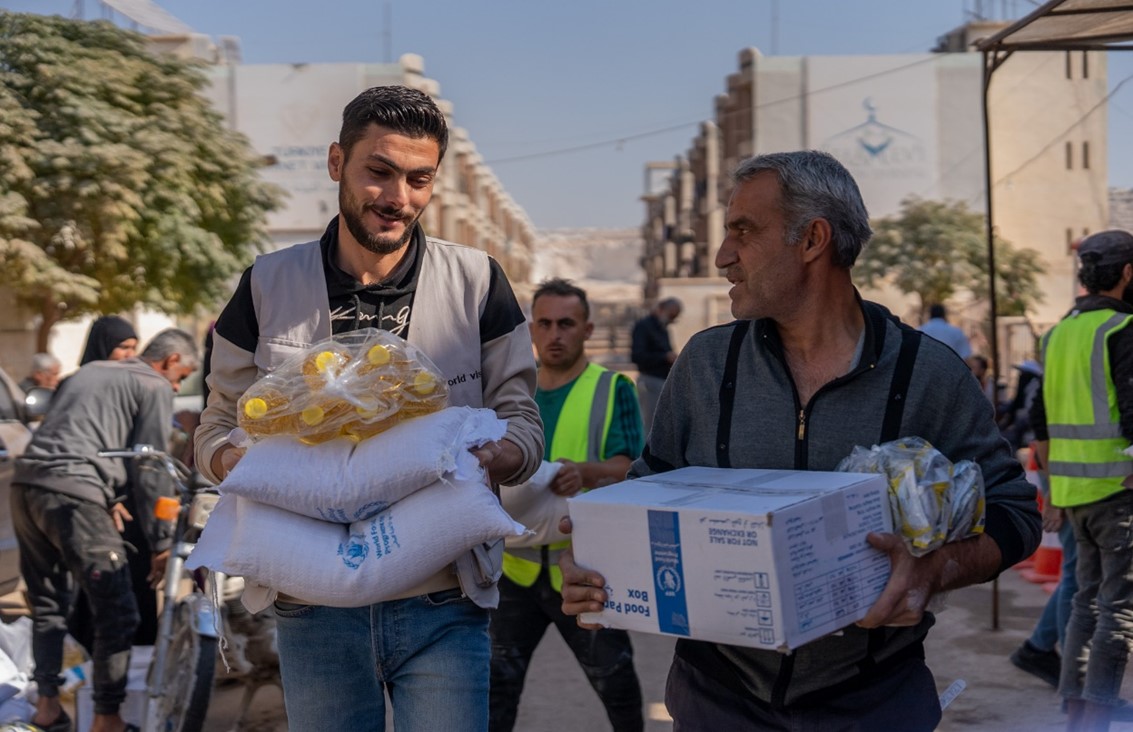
(532, 76)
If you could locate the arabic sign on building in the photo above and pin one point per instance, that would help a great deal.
(877, 114)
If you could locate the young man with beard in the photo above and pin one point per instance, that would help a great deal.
(593, 428)
(1083, 419)
(374, 266)
(807, 372)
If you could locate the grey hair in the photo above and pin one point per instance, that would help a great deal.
(815, 185)
(41, 362)
(172, 341)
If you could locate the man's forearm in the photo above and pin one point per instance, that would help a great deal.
(613, 470)
(966, 562)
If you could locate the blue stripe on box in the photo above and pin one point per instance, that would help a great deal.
(668, 573)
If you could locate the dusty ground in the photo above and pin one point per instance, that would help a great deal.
(963, 646)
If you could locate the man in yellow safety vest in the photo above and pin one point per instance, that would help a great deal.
(1084, 422)
(593, 429)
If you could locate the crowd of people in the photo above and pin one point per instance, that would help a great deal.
(807, 371)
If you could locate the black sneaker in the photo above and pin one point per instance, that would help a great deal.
(1047, 665)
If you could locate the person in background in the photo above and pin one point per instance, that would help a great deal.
(577, 399)
(808, 371)
(110, 338)
(939, 328)
(1015, 422)
(1084, 410)
(68, 536)
(44, 374)
(981, 369)
(652, 352)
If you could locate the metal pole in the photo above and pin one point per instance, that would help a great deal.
(988, 69)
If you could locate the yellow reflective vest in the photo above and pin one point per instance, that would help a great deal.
(580, 436)
(1086, 459)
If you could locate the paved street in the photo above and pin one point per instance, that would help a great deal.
(998, 696)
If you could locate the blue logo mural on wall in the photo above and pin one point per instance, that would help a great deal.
(876, 145)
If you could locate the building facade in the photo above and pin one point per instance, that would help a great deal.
(904, 125)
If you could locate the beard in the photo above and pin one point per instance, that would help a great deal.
(352, 212)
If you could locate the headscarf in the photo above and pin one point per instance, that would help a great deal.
(106, 334)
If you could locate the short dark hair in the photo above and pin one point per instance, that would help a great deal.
(937, 311)
(409, 112)
(562, 288)
(1097, 277)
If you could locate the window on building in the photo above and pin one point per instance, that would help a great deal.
(1069, 69)
(1069, 241)
(1086, 154)
(1069, 156)
(1085, 64)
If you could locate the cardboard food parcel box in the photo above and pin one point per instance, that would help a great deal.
(763, 558)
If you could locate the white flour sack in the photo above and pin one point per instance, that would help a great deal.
(536, 507)
(343, 481)
(351, 565)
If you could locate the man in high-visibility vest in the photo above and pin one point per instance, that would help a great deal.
(593, 428)
(1085, 415)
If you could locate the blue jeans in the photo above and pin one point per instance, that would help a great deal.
(431, 653)
(1051, 627)
(1100, 631)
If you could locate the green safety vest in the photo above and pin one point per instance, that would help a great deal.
(1086, 459)
(580, 436)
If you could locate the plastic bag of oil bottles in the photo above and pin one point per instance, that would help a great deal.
(352, 385)
(933, 500)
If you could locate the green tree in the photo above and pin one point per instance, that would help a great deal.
(119, 184)
(934, 249)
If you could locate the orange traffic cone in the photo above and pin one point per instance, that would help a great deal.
(1048, 561)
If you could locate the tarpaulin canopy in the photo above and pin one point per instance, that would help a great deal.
(1068, 25)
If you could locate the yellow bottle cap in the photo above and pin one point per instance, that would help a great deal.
(424, 383)
(255, 408)
(325, 360)
(312, 416)
(378, 355)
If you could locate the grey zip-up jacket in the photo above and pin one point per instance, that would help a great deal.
(769, 428)
(105, 405)
(292, 310)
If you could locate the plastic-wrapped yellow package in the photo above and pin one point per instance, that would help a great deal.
(933, 501)
(353, 385)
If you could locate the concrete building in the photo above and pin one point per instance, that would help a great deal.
(903, 125)
(291, 113)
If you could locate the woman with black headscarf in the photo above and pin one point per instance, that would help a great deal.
(110, 339)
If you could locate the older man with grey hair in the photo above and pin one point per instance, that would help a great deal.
(44, 374)
(807, 372)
